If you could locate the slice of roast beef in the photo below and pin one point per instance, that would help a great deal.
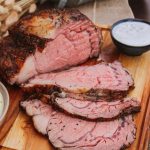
(100, 110)
(69, 133)
(46, 41)
(100, 81)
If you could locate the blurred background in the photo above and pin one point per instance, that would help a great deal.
(99, 11)
(141, 8)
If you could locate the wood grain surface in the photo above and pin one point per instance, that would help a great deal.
(22, 135)
(15, 96)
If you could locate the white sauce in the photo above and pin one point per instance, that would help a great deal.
(1, 104)
(132, 33)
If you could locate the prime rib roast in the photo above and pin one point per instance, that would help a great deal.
(100, 81)
(98, 110)
(68, 133)
(86, 107)
(46, 41)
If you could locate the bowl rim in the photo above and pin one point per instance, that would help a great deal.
(5, 109)
(128, 20)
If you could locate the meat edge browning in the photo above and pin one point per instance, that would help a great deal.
(29, 41)
(33, 41)
(47, 99)
(125, 112)
(11, 58)
(122, 148)
(89, 95)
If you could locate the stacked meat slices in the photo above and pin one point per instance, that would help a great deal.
(68, 133)
(87, 108)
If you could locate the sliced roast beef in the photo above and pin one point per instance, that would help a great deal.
(69, 133)
(100, 81)
(101, 110)
(46, 41)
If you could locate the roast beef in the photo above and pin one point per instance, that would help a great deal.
(46, 41)
(100, 81)
(16, 64)
(100, 110)
(69, 133)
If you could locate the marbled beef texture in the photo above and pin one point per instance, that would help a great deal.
(67, 133)
(55, 40)
(100, 110)
(108, 81)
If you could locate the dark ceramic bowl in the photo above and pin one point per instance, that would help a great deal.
(126, 49)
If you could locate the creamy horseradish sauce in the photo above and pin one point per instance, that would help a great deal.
(132, 33)
(1, 104)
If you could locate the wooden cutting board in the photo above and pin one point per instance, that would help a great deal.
(22, 135)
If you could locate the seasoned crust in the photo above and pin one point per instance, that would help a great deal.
(54, 90)
(33, 32)
(12, 58)
(29, 30)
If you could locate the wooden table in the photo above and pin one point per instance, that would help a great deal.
(23, 136)
(141, 9)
